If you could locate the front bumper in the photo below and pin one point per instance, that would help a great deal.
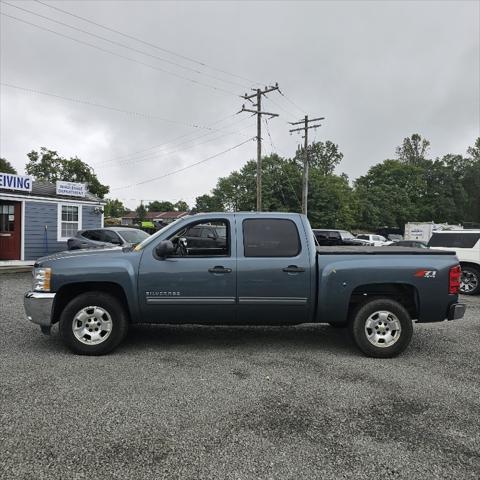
(38, 307)
(456, 311)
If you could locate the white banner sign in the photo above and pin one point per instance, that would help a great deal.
(71, 189)
(16, 182)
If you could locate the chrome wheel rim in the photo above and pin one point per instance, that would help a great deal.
(383, 329)
(92, 325)
(468, 282)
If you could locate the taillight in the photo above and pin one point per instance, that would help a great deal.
(454, 280)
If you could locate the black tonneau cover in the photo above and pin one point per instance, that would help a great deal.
(387, 250)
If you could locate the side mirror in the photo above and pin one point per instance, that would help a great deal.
(164, 249)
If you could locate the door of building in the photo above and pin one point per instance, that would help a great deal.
(10, 230)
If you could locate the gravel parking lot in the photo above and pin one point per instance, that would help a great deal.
(237, 403)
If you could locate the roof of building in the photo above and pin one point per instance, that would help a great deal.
(47, 189)
(157, 215)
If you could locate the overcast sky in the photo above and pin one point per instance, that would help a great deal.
(377, 70)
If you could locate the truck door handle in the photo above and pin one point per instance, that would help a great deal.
(219, 269)
(293, 269)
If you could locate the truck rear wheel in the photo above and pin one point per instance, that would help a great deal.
(381, 328)
(470, 280)
(93, 323)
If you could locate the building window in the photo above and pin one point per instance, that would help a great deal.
(69, 220)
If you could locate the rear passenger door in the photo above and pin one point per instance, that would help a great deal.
(273, 271)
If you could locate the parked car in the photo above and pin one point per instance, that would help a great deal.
(375, 240)
(337, 237)
(410, 243)
(107, 237)
(270, 273)
(466, 244)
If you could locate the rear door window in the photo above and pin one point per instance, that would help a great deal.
(458, 240)
(270, 237)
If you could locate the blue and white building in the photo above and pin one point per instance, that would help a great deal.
(37, 218)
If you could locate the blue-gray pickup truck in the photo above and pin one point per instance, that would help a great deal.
(243, 269)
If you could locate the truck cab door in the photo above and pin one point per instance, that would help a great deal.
(274, 271)
(192, 285)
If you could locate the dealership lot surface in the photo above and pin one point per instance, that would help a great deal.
(241, 403)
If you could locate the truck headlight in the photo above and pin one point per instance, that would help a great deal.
(41, 279)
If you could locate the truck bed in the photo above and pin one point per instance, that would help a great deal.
(387, 250)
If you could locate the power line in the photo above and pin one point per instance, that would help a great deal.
(186, 167)
(160, 155)
(300, 109)
(131, 37)
(172, 141)
(148, 156)
(171, 152)
(289, 112)
(107, 107)
(128, 47)
(154, 67)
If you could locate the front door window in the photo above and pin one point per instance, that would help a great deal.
(7, 218)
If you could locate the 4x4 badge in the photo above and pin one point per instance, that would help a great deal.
(426, 273)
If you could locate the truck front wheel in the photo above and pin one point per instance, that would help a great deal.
(93, 323)
(381, 328)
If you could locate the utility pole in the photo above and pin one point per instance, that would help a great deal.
(258, 112)
(305, 129)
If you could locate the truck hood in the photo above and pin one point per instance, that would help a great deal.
(86, 253)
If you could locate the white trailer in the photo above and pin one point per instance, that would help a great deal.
(423, 231)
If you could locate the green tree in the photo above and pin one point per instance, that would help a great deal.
(413, 149)
(331, 201)
(389, 195)
(6, 166)
(208, 203)
(114, 208)
(141, 212)
(160, 206)
(49, 166)
(474, 151)
(181, 206)
(324, 157)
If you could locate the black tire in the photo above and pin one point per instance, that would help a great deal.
(400, 338)
(114, 314)
(471, 274)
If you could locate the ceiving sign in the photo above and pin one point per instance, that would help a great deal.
(71, 189)
(16, 182)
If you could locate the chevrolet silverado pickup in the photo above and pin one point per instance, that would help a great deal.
(268, 271)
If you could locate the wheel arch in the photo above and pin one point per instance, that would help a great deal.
(71, 290)
(404, 293)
